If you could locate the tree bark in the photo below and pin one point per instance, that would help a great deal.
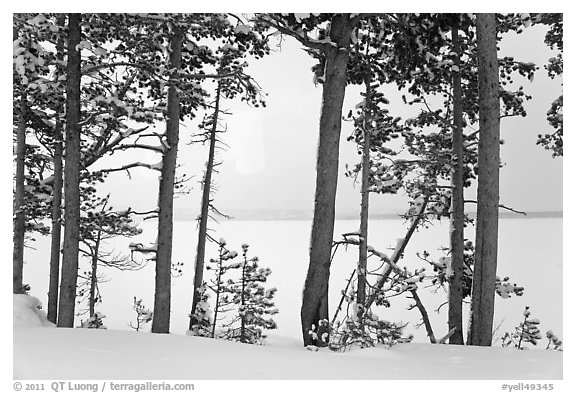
(56, 226)
(203, 224)
(71, 178)
(94, 275)
(19, 214)
(161, 321)
(315, 294)
(364, 205)
(485, 262)
(457, 219)
(425, 318)
(56, 235)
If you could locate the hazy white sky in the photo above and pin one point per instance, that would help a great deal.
(270, 163)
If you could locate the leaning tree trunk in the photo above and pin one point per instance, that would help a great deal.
(56, 226)
(315, 295)
(72, 178)
(485, 262)
(204, 211)
(457, 219)
(161, 321)
(19, 214)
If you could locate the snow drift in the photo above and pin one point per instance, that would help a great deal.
(27, 312)
(54, 354)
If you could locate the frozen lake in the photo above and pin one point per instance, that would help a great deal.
(530, 252)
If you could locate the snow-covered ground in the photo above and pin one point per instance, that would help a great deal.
(44, 352)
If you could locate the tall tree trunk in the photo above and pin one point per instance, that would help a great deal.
(457, 219)
(56, 235)
(161, 321)
(56, 226)
(19, 214)
(204, 211)
(315, 294)
(71, 178)
(364, 204)
(485, 262)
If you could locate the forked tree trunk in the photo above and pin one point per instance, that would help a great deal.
(19, 214)
(457, 219)
(485, 262)
(315, 294)
(161, 321)
(72, 178)
(204, 211)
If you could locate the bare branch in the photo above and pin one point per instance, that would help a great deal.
(500, 206)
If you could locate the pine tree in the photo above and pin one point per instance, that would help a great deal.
(482, 309)
(333, 53)
(253, 300)
(526, 332)
(71, 177)
(143, 314)
(222, 300)
(237, 83)
(100, 224)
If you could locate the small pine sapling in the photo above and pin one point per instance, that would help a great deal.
(526, 332)
(222, 302)
(255, 302)
(554, 343)
(94, 322)
(143, 314)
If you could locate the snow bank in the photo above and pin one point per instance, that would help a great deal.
(109, 354)
(27, 312)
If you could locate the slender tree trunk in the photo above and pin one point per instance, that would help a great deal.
(344, 294)
(364, 204)
(204, 211)
(425, 318)
(72, 178)
(243, 303)
(161, 321)
(457, 219)
(56, 226)
(19, 214)
(315, 294)
(56, 235)
(218, 285)
(94, 275)
(485, 262)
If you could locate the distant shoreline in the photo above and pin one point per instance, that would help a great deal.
(300, 215)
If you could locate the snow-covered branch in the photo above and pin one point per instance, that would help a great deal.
(300, 35)
(126, 167)
(400, 246)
